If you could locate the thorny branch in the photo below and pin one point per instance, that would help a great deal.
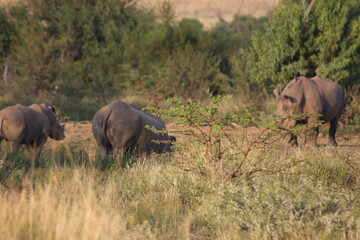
(245, 153)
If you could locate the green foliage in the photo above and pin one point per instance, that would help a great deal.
(78, 45)
(7, 32)
(102, 49)
(94, 51)
(194, 117)
(325, 42)
(222, 136)
(229, 37)
(187, 73)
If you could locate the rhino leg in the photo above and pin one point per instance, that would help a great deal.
(332, 132)
(34, 150)
(14, 147)
(313, 131)
(312, 136)
(105, 150)
(293, 140)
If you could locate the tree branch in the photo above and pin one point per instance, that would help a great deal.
(308, 9)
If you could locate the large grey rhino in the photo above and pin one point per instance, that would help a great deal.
(311, 96)
(30, 126)
(120, 125)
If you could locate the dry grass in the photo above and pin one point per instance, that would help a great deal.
(71, 205)
(182, 196)
(209, 11)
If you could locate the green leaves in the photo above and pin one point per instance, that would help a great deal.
(200, 121)
(318, 44)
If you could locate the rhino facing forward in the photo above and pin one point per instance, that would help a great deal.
(122, 126)
(312, 95)
(30, 126)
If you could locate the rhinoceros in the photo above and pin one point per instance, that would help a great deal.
(120, 125)
(315, 95)
(31, 126)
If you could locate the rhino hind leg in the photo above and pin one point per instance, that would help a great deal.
(332, 132)
(105, 150)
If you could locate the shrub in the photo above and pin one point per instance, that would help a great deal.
(325, 42)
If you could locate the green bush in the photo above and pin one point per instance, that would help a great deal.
(105, 49)
(325, 42)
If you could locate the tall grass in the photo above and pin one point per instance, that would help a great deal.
(180, 196)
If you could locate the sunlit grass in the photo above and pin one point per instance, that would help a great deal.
(180, 196)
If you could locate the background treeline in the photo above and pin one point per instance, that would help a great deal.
(85, 52)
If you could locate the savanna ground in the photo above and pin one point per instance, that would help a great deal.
(279, 192)
(244, 182)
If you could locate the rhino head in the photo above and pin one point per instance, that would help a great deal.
(286, 105)
(56, 130)
(165, 144)
(169, 145)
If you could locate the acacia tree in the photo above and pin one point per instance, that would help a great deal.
(324, 41)
(77, 45)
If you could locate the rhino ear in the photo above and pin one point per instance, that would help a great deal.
(52, 108)
(291, 99)
(276, 93)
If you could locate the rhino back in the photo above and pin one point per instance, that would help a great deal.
(332, 97)
(43, 118)
(122, 126)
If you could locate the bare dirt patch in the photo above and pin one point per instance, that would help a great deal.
(78, 136)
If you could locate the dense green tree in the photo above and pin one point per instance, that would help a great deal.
(78, 46)
(10, 21)
(106, 48)
(325, 42)
(227, 38)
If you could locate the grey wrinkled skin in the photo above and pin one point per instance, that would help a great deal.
(30, 126)
(308, 96)
(120, 125)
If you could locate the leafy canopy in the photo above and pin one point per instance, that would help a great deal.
(326, 42)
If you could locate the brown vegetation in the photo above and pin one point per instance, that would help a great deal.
(209, 11)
